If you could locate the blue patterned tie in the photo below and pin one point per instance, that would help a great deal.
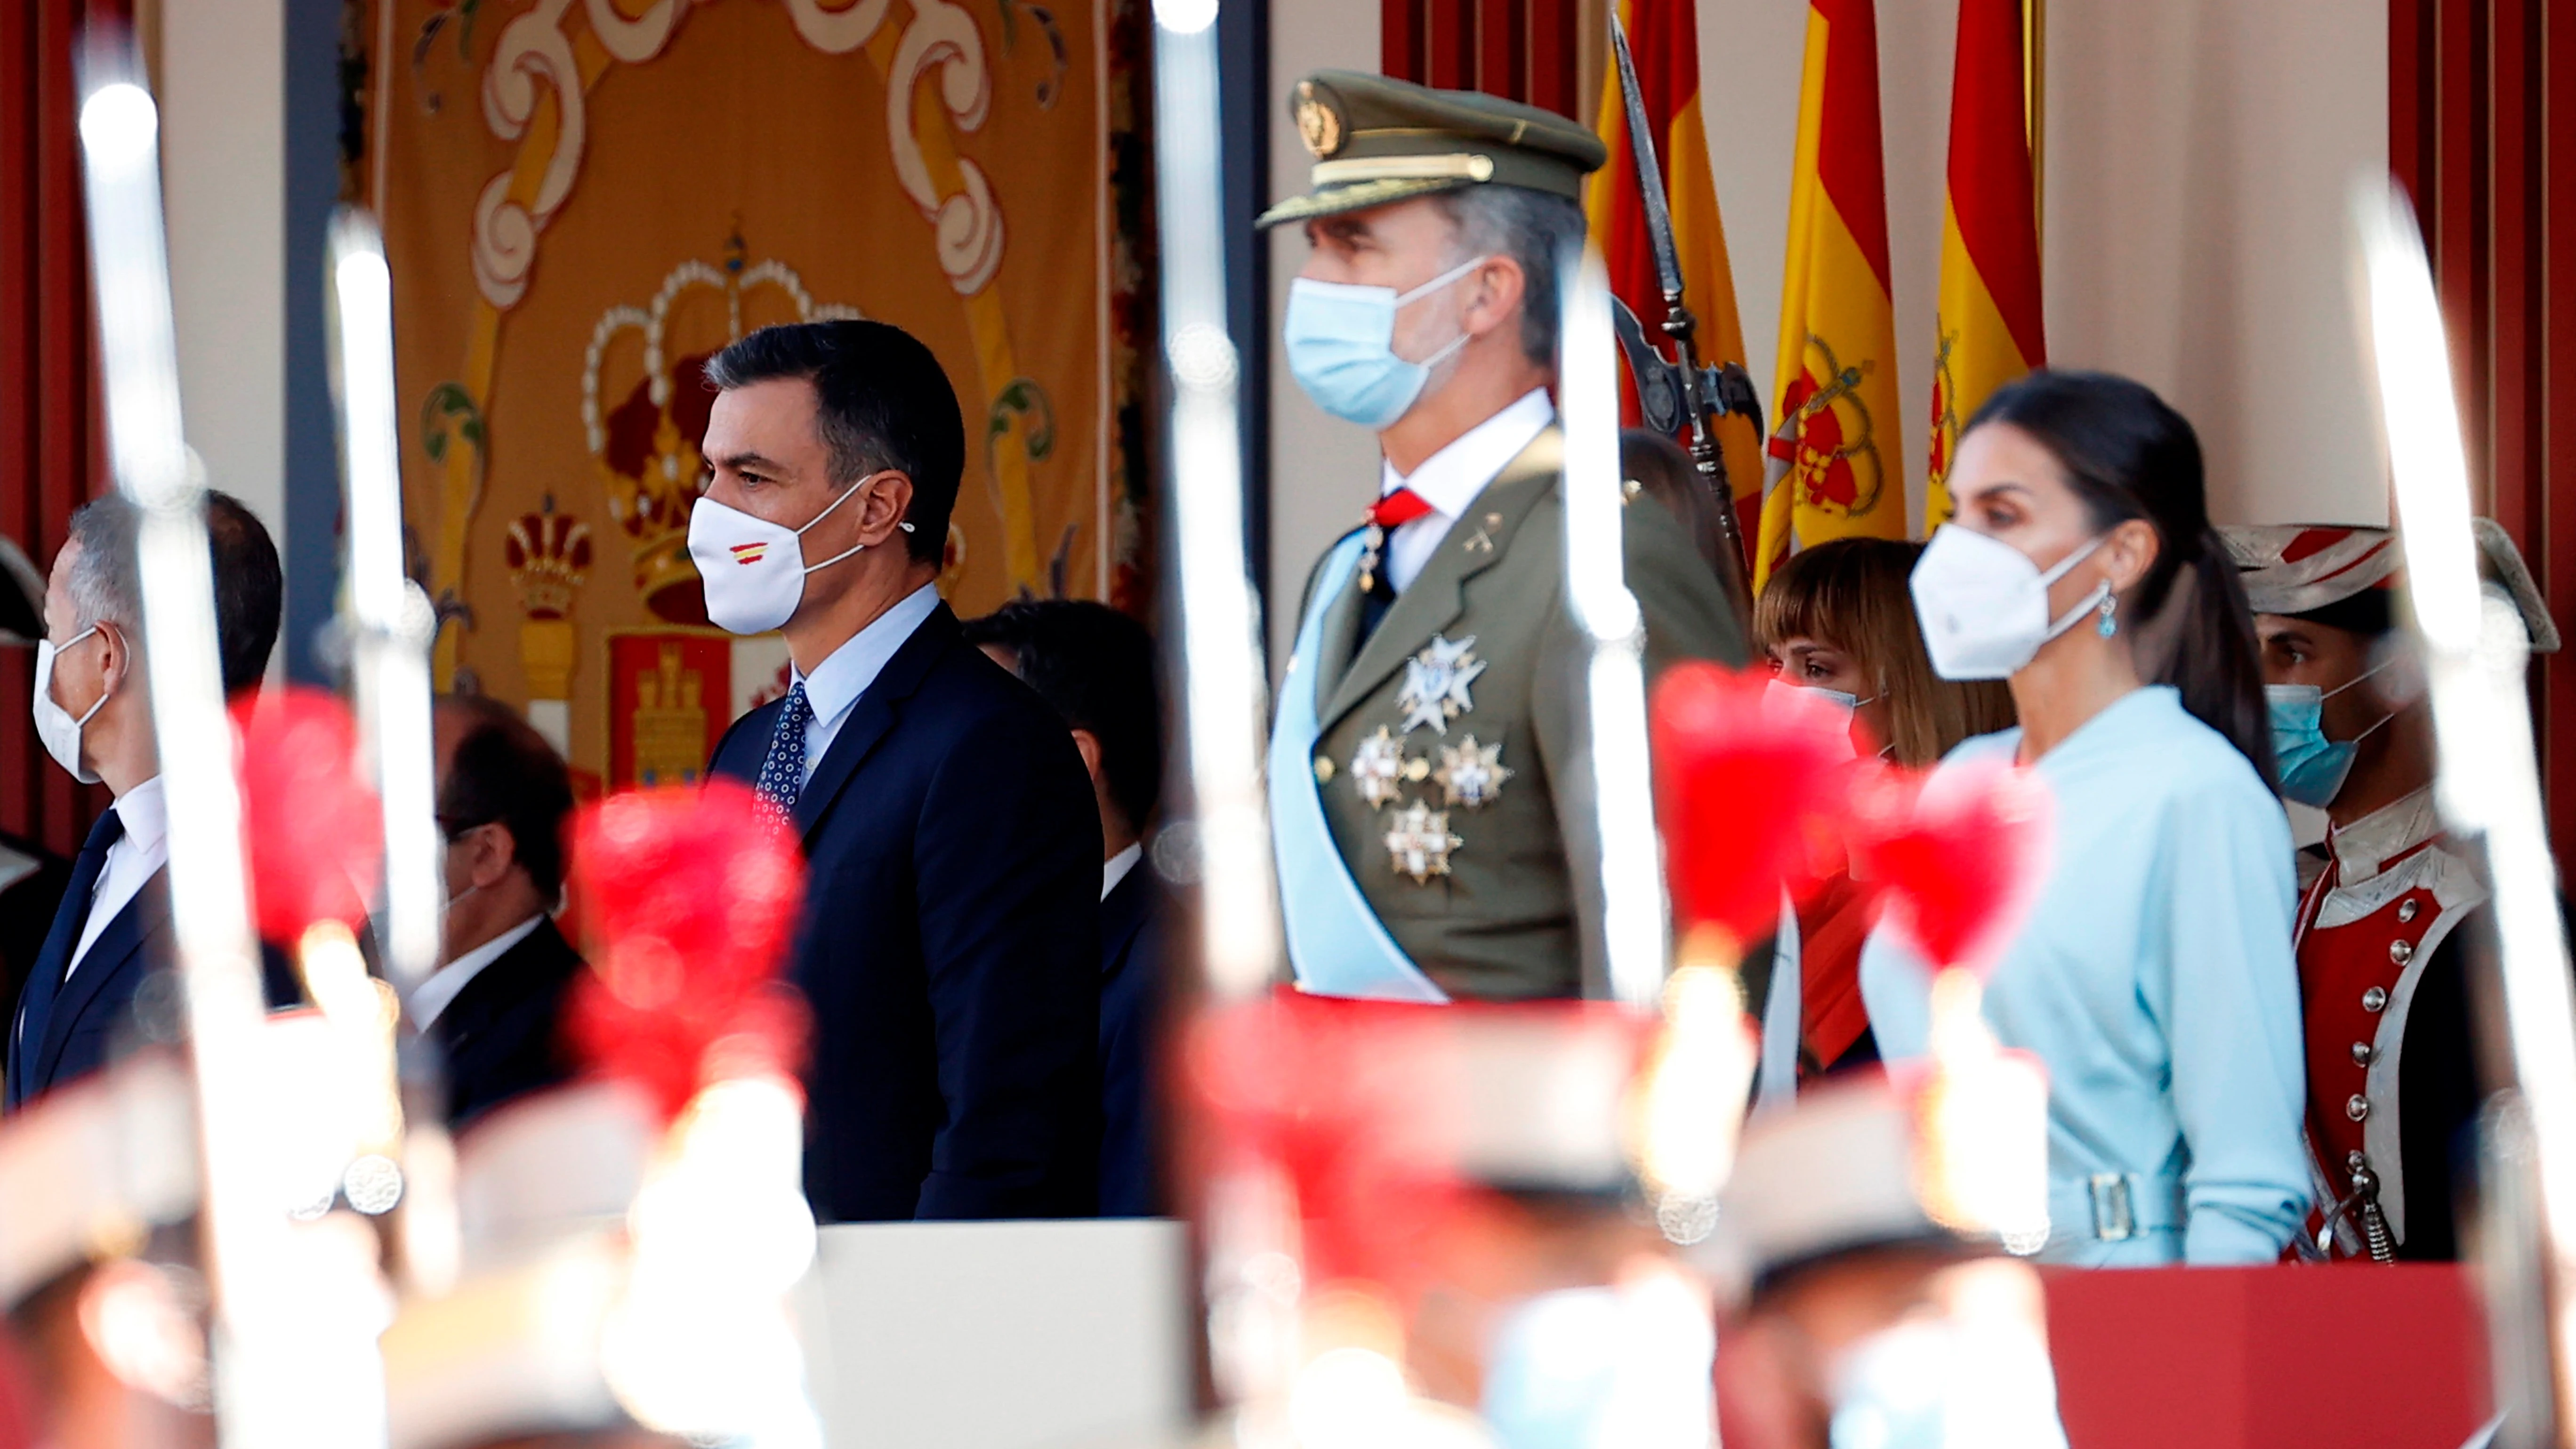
(782, 774)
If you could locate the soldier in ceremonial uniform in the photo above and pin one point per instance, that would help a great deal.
(100, 1303)
(1854, 1314)
(2387, 900)
(1422, 765)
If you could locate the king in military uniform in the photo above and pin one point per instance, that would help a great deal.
(1423, 771)
(2388, 900)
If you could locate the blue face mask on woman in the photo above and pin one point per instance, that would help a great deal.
(1341, 347)
(2312, 767)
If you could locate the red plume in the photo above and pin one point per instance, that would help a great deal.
(690, 898)
(1959, 856)
(1364, 1106)
(1741, 788)
(312, 823)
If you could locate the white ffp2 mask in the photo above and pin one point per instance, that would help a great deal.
(1984, 605)
(55, 724)
(754, 570)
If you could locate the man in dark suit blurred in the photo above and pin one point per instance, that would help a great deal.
(1095, 665)
(495, 1004)
(93, 711)
(31, 877)
(952, 901)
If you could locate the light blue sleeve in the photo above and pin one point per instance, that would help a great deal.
(2227, 996)
(1897, 988)
(1895, 983)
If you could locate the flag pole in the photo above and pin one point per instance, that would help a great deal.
(2034, 73)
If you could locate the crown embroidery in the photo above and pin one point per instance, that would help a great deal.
(645, 439)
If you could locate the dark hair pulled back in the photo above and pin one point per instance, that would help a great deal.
(2128, 454)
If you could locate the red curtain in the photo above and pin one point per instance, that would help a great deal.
(1521, 49)
(52, 452)
(2481, 102)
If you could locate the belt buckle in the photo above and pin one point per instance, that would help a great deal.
(2113, 1222)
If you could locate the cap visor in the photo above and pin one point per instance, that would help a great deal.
(1356, 196)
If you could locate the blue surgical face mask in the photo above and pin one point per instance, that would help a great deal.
(2312, 767)
(1341, 347)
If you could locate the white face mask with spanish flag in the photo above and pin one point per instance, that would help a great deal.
(754, 570)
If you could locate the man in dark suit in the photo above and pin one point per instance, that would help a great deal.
(31, 877)
(1095, 666)
(952, 900)
(495, 1003)
(93, 711)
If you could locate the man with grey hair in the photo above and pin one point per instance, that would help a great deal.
(93, 711)
(1425, 795)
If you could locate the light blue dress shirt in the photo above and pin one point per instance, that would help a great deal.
(845, 674)
(2155, 981)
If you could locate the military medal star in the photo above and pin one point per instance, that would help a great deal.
(1375, 767)
(1419, 842)
(1471, 775)
(1435, 684)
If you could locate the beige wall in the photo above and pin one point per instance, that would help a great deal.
(1322, 471)
(2197, 155)
(223, 167)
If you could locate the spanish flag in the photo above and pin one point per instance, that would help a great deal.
(1836, 457)
(1990, 329)
(1663, 36)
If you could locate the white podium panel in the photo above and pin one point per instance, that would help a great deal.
(1035, 1335)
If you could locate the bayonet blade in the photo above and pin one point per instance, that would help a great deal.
(1650, 172)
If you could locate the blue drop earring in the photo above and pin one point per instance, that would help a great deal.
(2109, 626)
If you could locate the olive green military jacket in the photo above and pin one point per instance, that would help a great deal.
(1463, 816)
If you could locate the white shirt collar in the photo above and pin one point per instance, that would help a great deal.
(144, 811)
(1450, 479)
(846, 672)
(2366, 846)
(1115, 870)
(440, 991)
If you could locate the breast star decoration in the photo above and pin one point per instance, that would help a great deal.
(1418, 842)
(1435, 684)
(1376, 768)
(1471, 775)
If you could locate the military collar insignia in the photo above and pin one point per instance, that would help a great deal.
(1435, 684)
(1418, 842)
(1471, 775)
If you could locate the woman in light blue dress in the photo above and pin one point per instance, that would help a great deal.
(2154, 976)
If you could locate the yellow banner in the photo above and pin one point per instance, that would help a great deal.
(1836, 466)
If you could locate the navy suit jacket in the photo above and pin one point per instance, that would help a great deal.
(502, 1037)
(94, 1003)
(1131, 969)
(949, 947)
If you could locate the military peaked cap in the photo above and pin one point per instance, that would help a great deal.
(1377, 141)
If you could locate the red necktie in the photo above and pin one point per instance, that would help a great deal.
(1397, 509)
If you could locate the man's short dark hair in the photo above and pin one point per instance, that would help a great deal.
(107, 581)
(504, 771)
(1095, 666)
(881, 401)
